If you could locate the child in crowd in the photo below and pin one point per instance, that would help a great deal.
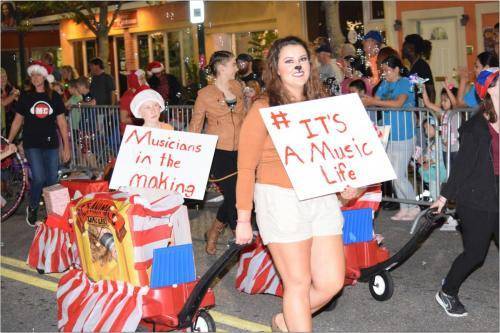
(74, 95)
(449, 121)
(87, 119)
(74, 99)
(58, 88)
(88, 122)
(431, 159)
(83, 88)
(359, 86)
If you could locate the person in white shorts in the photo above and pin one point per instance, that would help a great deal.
(304, 238)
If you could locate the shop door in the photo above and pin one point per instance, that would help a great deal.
(442, 33)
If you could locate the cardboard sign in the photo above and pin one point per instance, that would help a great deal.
(161, 160)
(327, 144)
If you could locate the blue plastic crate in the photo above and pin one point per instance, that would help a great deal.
(358, 225)
(172, 265)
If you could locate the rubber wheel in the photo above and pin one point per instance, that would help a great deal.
(381, 286)
(204, 323)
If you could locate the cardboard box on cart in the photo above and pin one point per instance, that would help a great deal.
(56, 199)
(116, 234)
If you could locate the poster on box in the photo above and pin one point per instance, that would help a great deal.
(162, 160)
(327, 144)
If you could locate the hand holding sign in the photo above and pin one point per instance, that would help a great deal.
(161, 160)
(327, 145)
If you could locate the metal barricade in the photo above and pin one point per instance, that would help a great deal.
(178, 116)
(450, 125)
(95, 136)
(420, 149)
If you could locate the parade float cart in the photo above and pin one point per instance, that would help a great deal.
(186, 309)
(367, 260)
(137, 268)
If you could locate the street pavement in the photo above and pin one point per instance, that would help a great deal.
(28, 299)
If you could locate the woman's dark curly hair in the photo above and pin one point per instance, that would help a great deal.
(275, 90)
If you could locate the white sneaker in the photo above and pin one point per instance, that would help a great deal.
(450, 224)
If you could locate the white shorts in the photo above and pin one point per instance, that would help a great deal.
(282, 218)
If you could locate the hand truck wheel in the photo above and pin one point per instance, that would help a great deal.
(381, 286)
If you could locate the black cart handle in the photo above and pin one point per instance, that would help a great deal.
(431, 220)
(191, 307)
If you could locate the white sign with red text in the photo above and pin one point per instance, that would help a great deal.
(163, 160)
(327, 144)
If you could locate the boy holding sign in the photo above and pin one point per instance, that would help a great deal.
(148, 104)
(297, 233)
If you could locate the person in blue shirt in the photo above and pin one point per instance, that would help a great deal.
(470, 98)
(395, 92)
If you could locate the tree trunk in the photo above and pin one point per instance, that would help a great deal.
(333, 25)
(103, 42)
(102, 35)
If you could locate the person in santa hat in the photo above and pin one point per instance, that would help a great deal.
(148, 104)
(136, 81)
(164, 83)
(40, 111)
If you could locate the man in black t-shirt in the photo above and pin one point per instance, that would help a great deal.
(245, 69)
(102, 86)
(413, 49)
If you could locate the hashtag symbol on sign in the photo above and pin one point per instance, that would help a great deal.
(280, 118)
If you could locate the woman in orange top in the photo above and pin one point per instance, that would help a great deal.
(222, 105)
(303, 237)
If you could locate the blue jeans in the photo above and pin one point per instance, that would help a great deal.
(44, 164)
(400, 153)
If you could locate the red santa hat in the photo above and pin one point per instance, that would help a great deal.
(144, 96)
(38, 67)
(133, 78)
(155, 67)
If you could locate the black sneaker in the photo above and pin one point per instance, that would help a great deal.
(31, 216)
(451, 304)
